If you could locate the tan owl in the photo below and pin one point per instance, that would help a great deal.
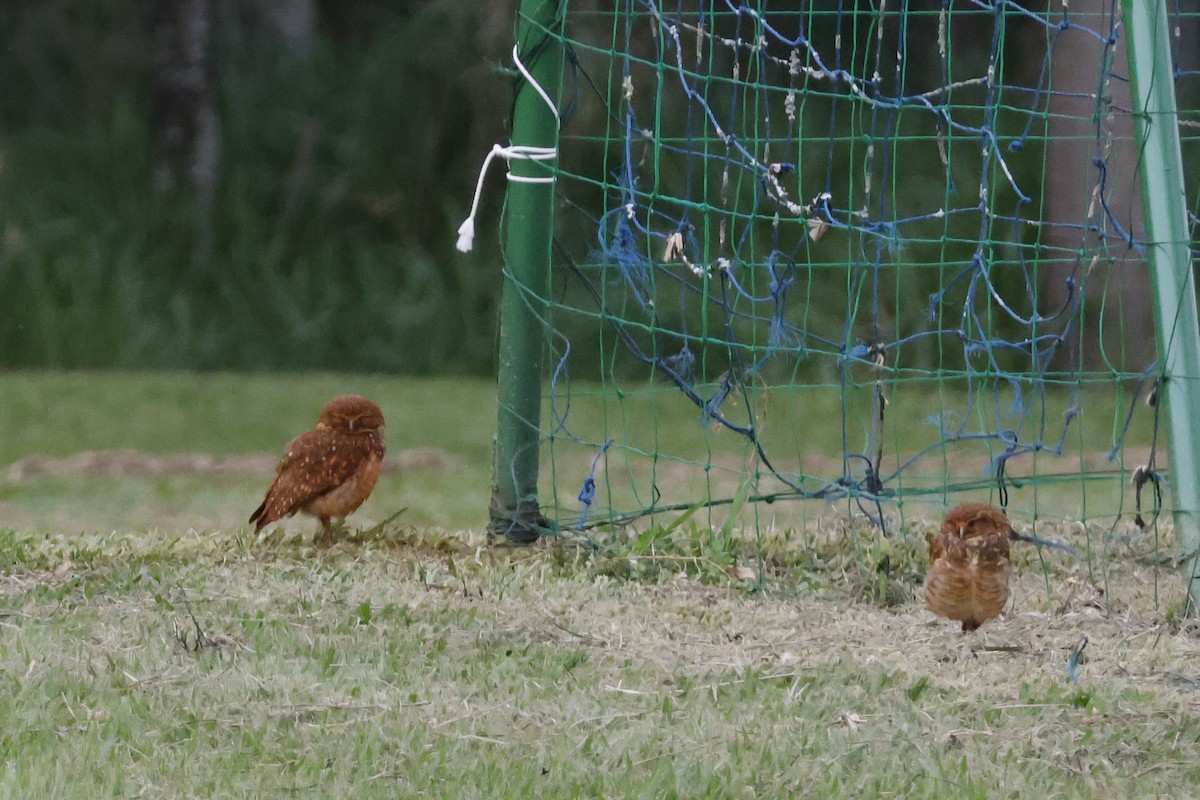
(968, 565)
(328, 471)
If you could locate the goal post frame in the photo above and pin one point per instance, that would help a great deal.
(514, 510)
(1164, 200)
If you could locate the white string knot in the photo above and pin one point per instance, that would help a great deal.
(515, 152)
(466, 231)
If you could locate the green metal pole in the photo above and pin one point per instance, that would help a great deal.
(515, 512)
(1157, 124)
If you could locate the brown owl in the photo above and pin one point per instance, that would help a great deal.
(969, 566)
(330, 470)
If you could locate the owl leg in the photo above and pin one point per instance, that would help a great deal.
(969, 625)
(327, 529)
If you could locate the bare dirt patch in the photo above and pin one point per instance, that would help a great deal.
(139, 464)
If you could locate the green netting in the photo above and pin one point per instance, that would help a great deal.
(874, 258)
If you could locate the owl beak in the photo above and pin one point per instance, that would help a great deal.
(352, 426)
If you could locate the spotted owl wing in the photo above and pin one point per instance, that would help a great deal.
(994, 550)
(313, 464)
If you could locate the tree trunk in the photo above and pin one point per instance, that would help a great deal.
(293, 22)
(187, 131)
(186, 127)
(1085, 172)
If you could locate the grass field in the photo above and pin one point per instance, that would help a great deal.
(151, 648)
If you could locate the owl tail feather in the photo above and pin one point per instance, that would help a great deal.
(259, 516)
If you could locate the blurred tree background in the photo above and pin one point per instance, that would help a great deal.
(248, 184)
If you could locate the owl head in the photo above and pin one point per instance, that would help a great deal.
(351, 413)
(971, 520)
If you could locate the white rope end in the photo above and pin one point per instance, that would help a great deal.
(466, 235)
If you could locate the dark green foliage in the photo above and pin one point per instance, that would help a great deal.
(330, 239)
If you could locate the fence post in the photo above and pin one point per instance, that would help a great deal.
(1156, 122)
(528, 230)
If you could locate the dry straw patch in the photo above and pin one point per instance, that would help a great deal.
(204, 664)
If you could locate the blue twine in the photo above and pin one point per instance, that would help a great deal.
(627, 257)
(683, 365)
(713, 407)
(588, 491)
(1133, 406)
(778, 337)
